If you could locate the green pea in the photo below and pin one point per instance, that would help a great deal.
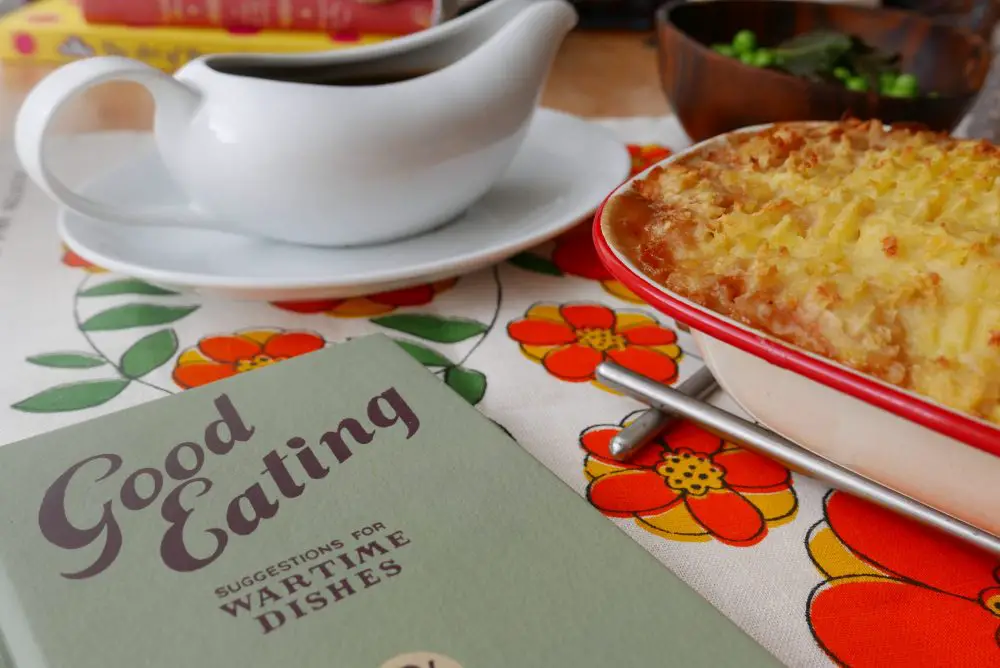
(724, 49)
(763, 58)
(747, 58)
(745, 41)
(859, 84)
(886, 82)
(842, 73)
(905, 86)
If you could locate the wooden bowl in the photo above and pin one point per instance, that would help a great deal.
(712, 93)
(979, 16)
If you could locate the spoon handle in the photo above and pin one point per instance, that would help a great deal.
(792, 455)
(653, 422)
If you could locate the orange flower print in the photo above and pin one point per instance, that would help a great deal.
(218, 357)
(646, 155)
(898, 593)
(371, 305)
(574, 254)
(571, 340)
(71, 259)
(689, 485)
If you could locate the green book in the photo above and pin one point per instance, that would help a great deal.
(344, 509)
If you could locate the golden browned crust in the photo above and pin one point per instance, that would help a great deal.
(876, 248)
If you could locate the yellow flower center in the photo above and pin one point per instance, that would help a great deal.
(992, 602)
(694, 474)
(255, 362)
(601, 340)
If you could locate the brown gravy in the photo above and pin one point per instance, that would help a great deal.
(321, 76)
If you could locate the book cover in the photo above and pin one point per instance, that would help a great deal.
(342, 509)
(55, 32)
(393, 17)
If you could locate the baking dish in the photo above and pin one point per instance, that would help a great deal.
(928, 451)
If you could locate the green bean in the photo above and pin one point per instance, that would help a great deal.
(763, 58)
(858, 84)
(886, 82)
(905, 86)
(745, 41)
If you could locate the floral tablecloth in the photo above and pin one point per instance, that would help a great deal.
(817, 577)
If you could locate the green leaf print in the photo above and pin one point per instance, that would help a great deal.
(423, 354)
(68, 360)
(135, 315)
(535, 263)
(149, 353)
(73, 396)
(128, 286)
(433, 327)
(469, 383)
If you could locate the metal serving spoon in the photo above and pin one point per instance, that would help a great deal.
(670, 404)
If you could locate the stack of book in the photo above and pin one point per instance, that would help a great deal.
(169, 33)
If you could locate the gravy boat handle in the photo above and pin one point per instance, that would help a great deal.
(175, 102)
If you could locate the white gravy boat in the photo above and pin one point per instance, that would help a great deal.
(293, 148)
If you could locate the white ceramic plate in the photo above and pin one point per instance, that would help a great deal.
(564, 169)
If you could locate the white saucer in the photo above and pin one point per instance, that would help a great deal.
(563, 171)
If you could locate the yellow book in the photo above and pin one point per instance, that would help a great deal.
(54, 31)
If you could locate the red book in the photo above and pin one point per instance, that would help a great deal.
(390, 17)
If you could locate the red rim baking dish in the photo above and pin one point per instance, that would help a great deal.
(951, 423)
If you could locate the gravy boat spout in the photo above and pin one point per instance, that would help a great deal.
(516, 59)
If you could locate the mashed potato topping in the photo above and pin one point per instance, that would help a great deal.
(876, 248)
